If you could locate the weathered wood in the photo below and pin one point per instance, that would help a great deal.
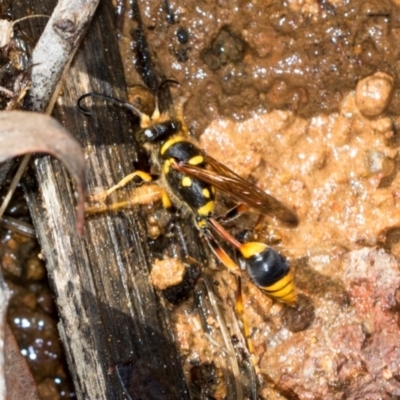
(116, 334)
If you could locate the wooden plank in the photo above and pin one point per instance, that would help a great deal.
(115, 331)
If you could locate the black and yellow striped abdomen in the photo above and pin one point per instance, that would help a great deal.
(270, 271)
(198, 195)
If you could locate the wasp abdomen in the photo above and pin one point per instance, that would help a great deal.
(270, 272)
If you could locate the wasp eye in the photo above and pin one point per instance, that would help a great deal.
(145, 135)
(148, 133)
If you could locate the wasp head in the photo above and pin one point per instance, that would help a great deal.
(157, 132)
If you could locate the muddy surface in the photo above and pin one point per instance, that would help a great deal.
(301, 98)
(237, 58)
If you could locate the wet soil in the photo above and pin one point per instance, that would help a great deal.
(301, 98)
(234, 59)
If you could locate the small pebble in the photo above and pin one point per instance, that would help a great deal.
(34, 269)
(167, 272)
(378, 163)
(373, 94)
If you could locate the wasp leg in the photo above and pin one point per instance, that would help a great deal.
(218, 251)
(224, 233)
(103, 195)
(178, 112)
(166, 201)
(236, 212)
(233, 213)
(259, 223)
(222, 256)
(240, 312)
(141, 195)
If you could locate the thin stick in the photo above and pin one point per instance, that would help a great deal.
(14, 183)
(30, 17)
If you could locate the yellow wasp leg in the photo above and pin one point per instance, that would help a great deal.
(240, 312)
(218, 251)
(178, 112)
(233, 213)
(166, 201)
(141, 195)
(222, 256)
(103, 195)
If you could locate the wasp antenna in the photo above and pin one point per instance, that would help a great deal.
(178, 108)
(82, 109)
(167, 82)
(113, 100)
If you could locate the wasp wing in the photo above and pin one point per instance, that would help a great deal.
(241, 190)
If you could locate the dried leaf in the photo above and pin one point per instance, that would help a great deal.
(19, 381)
(24, 132)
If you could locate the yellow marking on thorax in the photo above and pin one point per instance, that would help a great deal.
(170, 142)
(202, 223)
(166, 165)
(207, 209)
(166, 201)
(206, 193)
(186, 181)
(196, 160)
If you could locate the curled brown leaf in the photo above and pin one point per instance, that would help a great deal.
(23, 132)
